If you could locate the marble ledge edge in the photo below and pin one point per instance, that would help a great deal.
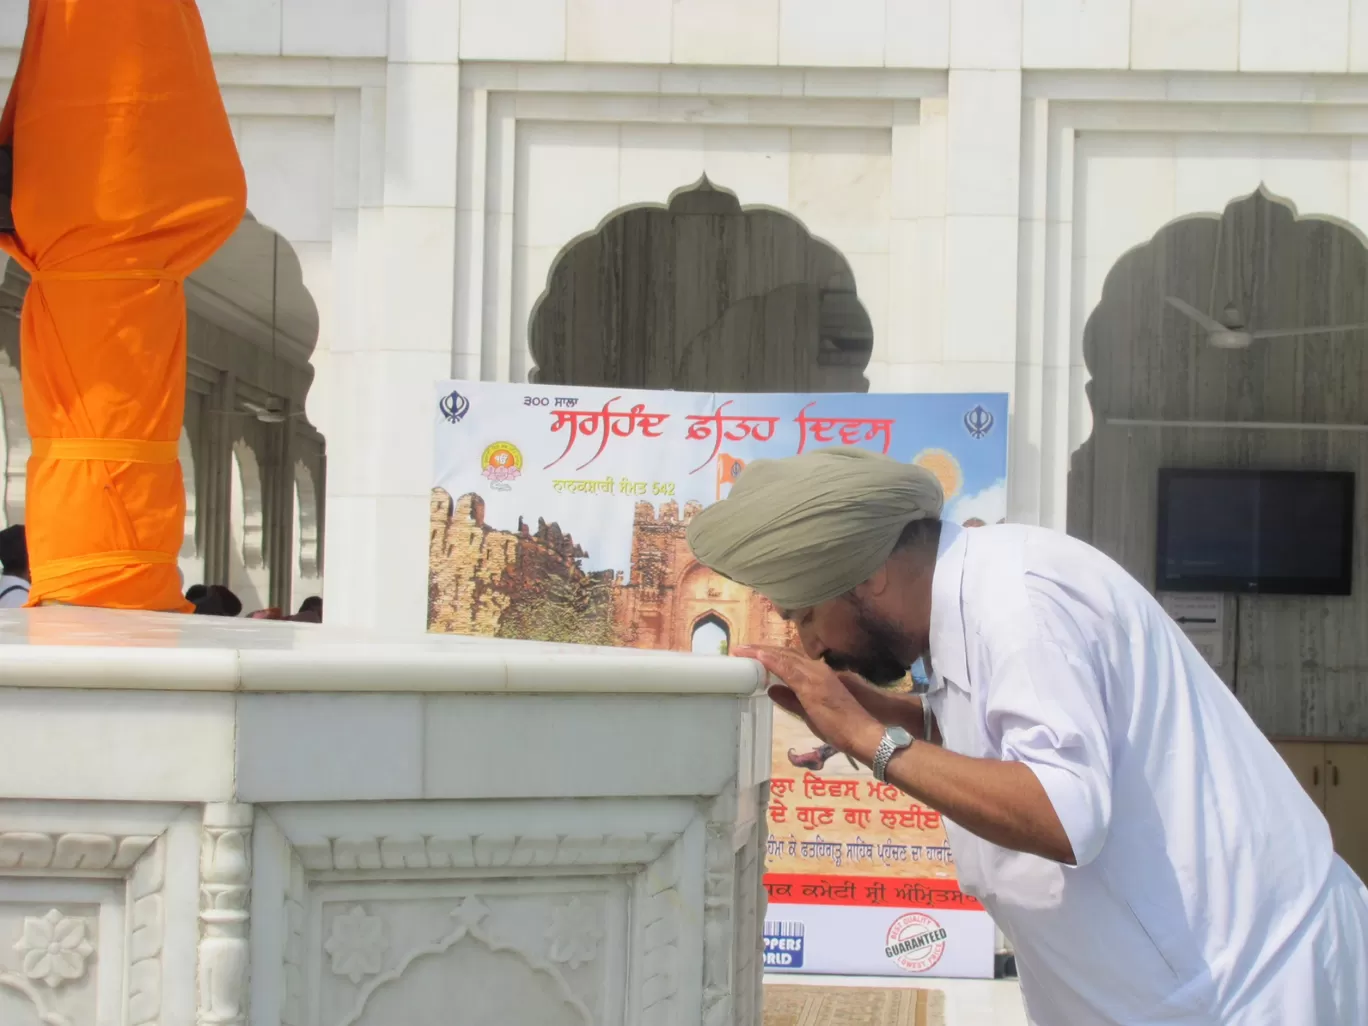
(371, 668)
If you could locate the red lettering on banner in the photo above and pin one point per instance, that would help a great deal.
(605, 422)
(857, 817)
(778, 811)
(814, 816)
(733, 429)
(781, 786)
(845, 430)
(883, 792)
(914, 817)
(816, 787)
(824, 889)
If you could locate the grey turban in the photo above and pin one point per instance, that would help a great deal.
(811, 527)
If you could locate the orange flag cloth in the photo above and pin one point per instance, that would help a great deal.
(126, 179)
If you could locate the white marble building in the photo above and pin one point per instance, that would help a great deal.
(981, 165)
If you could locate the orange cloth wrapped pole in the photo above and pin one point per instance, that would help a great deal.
(126, 179)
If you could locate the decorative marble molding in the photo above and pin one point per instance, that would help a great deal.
(146, 935)
(661, 905)
(71, 852)
(225, 887)
(469, 917)
(479, 851)
(104, 851)
(719, 892)
(295, 915)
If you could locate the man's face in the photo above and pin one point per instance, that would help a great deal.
(854, 633)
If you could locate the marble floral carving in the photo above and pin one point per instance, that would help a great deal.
(55, 948)
(356, 944)
(574, 934)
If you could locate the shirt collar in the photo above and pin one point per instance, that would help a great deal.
(949, 655)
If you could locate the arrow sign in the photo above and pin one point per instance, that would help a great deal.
(1202, 618)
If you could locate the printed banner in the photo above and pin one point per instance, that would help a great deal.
(559, 514)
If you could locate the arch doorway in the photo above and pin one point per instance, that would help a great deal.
(711, 636)
(1163, 394)
(701, 295)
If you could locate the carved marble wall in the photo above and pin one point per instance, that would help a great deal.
(365, 915)
(378, 914)
(294, 857)
(86, 909)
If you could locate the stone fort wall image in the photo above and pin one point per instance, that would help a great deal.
(487, 580)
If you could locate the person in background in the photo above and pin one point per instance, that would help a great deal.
(310, 611)
(14, 567)
(217, 601)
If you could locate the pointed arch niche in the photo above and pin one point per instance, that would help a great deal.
(1301, 661)
(711, 635)
(701, 295)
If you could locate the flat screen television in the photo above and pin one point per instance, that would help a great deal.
(1272, 532)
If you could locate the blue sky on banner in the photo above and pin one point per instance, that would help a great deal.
(970, 428)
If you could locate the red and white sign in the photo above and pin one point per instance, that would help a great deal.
(850, 940)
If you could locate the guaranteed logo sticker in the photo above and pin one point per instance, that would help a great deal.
(915, 942)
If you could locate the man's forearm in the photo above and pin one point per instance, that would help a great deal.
(1001, 802)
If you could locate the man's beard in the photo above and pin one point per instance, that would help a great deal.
(879, 662)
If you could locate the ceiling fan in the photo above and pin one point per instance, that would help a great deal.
(1230, 332)
(269, 412)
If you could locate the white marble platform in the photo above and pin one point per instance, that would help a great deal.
(229, 822)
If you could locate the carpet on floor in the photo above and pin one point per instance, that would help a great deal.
(853, 1006)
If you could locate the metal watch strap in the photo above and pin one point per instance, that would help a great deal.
(888, 747)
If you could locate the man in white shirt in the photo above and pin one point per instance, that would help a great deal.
(1145, 849)
(14, 567)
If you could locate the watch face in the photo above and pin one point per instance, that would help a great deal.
(899, 737)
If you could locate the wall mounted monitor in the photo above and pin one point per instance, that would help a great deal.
(1272, 532)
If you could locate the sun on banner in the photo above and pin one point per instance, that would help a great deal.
(559, 514)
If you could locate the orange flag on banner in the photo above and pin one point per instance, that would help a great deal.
(728, 470)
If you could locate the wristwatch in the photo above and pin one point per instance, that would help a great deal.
(894, 740)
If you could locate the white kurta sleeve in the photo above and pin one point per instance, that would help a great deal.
(1044, 708)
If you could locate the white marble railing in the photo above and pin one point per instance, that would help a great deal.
(244, 822)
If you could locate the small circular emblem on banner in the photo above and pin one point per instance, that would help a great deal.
(916, 942)
(501, 464)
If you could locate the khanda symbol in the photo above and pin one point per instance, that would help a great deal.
(454, 407)
(978, 422)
